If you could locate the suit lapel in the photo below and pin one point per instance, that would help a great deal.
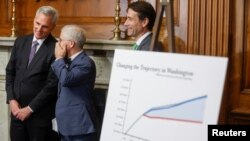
(77, 59)
(145, 43)
(27, 49)
(38, 55)
(42, 51)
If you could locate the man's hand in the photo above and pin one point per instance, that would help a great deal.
(24, 113)
(60, 51)
(14, 107)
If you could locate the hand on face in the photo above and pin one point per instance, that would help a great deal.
(60, 50)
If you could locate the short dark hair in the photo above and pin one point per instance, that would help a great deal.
(144, 10)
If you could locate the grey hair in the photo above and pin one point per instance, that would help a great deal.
(50, 11)
(74, 33)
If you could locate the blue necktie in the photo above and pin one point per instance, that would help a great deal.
(33, 50)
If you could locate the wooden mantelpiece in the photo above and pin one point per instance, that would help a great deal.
(99, 44)
(7, 41)
(95, 44)
(100, 50)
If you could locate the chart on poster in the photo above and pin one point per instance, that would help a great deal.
(158, 96)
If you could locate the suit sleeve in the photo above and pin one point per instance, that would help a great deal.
(47, 95)
(10, 75)
(74, 75)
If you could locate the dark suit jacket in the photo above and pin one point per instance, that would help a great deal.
(34, 85)
(75, 112)
(145, 44)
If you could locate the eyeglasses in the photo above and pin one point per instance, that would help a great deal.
(60, 40)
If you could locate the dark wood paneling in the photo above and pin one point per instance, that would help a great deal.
(240, 116)
(208, 34)
(239, 94)
(94, 15)
(208, 27)
(246, 52)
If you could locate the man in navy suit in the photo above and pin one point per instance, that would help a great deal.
(31, 85)
(75, 112)
(139, 24)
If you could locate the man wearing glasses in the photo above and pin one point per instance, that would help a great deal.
(75, 113)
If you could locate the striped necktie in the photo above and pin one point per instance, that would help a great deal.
(33, 50)
(135, 46)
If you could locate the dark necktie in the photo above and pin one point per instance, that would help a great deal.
(135, 47)
(67, 61)
(33, 50)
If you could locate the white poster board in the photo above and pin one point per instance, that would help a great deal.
(162, 96)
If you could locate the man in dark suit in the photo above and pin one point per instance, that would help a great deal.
(75, 113)
(139, 24)
(31, 85)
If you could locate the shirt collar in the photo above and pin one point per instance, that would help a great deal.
(138, 42)
(75, 55)
(40, 41)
